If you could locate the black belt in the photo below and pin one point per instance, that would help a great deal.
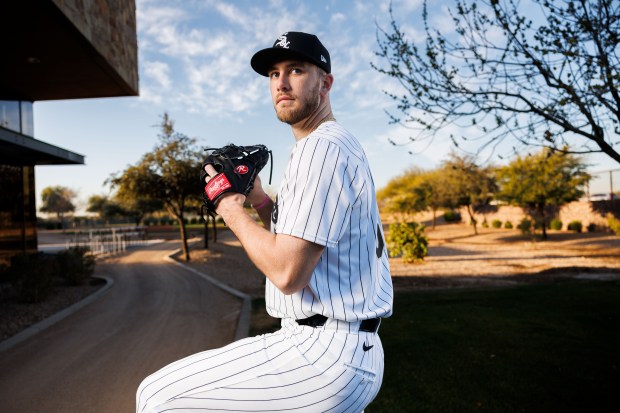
(318, 320)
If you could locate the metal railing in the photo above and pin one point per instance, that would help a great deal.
(109, 240)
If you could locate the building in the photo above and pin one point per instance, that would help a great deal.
(53, 49)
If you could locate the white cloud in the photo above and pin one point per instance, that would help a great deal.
(337, 18)
(232, 14)
(159, 72)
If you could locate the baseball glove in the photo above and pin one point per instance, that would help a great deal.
(237, 168)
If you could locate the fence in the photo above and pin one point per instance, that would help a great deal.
(109, 240)
(605, 185)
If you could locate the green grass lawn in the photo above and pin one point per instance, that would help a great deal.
(536, 348)
(543, 348)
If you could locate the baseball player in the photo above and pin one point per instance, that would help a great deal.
(322, 249)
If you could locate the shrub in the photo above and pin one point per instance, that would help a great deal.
(485, 224)
(496, 223)
(408, 240)
(574, 226)
(508, 225)
(555, 224)
(592, 227)
(452, 216)
(525, 226)
(76, 265)
(614, 223)
(32, 276)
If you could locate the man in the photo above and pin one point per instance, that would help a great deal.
(322, 250)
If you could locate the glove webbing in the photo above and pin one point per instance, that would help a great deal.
(228, 158)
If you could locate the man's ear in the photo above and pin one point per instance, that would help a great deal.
(327, 82)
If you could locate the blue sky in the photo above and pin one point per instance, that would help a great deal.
(194, 63)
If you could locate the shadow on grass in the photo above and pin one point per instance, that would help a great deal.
(536, 348)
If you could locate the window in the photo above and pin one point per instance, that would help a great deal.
(9, 115)
(27, 120)
(17, 116)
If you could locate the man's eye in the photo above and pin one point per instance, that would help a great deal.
(274, 75)
(296, 70)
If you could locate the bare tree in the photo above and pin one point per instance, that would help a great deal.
(542, 72)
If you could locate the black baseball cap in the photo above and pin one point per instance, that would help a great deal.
(292, 45)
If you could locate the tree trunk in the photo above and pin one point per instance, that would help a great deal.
(206, 233)
(214, 230)
(472, 219)
(434, 217)
(183, 237)
(541, 210)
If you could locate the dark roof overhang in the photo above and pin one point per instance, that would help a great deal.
(18, 149)
(47, 56)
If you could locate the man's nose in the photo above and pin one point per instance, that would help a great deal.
(282, 82)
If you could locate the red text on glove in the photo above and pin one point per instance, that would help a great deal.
(242, 169)
(216, 186)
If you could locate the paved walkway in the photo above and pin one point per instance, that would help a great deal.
(92, 361)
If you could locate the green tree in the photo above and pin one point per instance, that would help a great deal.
(169, 174)
(57, 200)
(104, 207)
(546, 179)
(549, 80)
(403, 194)
(466, 184)
(135, 204)
(436, 191)
(413, 191)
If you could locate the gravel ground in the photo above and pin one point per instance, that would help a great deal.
(16, 316)
(457, 259)
(496, 257)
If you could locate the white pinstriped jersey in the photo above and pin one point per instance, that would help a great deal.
(327, 197)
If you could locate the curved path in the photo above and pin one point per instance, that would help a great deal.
(93, 361)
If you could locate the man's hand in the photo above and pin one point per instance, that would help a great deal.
(226, 198)
(231, 169)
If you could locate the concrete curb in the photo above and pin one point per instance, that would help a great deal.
(50, 321)
(243, 326)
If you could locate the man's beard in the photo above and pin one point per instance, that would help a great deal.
(308, 105)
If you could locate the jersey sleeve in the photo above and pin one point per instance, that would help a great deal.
(319, 191)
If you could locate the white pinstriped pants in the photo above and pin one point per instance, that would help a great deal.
(296, 369)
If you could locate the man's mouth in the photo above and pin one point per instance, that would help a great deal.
(283, 98)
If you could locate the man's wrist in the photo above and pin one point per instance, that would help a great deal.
(263, 203)
(230, 202)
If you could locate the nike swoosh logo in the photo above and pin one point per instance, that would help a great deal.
(366, 348)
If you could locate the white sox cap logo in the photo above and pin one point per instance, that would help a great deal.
(282, 41)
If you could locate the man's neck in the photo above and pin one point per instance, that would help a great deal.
(307, 126)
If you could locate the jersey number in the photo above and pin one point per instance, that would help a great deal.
(380, 243)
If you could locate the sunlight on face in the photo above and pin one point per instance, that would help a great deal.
(295, 90)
